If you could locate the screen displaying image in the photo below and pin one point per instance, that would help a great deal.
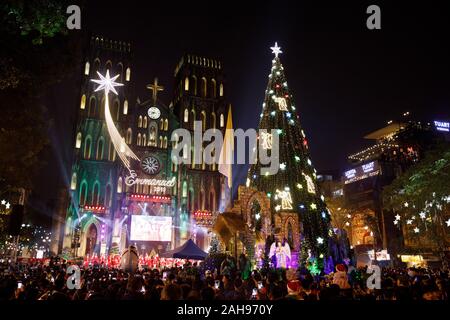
(151, 228)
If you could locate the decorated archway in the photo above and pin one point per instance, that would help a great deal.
(90, 237)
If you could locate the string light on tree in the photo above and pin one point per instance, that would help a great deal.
(310, 184)
(266, 140)
(286, 199)
(282, 105)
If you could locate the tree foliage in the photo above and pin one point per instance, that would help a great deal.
(420, 198)
(428, 181)
(36, 51)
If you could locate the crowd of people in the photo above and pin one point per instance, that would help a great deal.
(192, 282)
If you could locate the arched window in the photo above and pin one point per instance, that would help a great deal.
(140, 122)
(202, 161)
(165, 142)
(138, 142)
(125, 107)
(73, 181)
(96, 64)
(100, 146)
(184, 191)
(193, 119)
(203, 120)
(221, 90)
(175, 141)
(108, 196)
(190, 201)
(161, 124)
(186, 115)
(120, 71)
(166, 124)
(91, 111)
(129, 136)
(128, 74)
(116, 109)
(96, 194)
(144, 122)
(204, 87)
(213, 88)
(202, 200)
(119, 185)
(83, 193)
(102, 108)
(174, 165)
(78, 141)
(111, 152)
(161, 142)
(86, 68)
(87, 148)
(108, 65)
(152, 136)
(222, 120)
(193, 157)
(144, 140)
(213, 165)
(213, 120)
(68, 226)
(186, 84)
(83, 102)
(212, 201)
(194, 87)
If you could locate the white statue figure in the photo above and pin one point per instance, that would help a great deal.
(281, 252)
(130, 260)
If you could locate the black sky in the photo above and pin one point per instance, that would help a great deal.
(346, 80)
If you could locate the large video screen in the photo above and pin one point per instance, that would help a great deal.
(151, 228)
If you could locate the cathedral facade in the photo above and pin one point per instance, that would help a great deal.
(153, 203)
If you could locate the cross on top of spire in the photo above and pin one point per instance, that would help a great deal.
(276, 50)
(155, 88)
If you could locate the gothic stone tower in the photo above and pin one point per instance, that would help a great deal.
(199, 95)
(95, 194)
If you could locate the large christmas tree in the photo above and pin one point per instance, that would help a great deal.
(294, 187)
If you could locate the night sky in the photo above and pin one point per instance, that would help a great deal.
(346, 80)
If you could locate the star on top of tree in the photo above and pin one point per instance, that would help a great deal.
(106, 83)
(276, 50)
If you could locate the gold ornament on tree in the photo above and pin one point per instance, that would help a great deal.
(286, 199)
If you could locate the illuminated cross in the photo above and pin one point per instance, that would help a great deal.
(155, 88)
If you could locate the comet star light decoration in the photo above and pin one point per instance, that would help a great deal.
(107, 84)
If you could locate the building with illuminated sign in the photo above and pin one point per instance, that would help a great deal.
(396, 147)
(106, 196)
